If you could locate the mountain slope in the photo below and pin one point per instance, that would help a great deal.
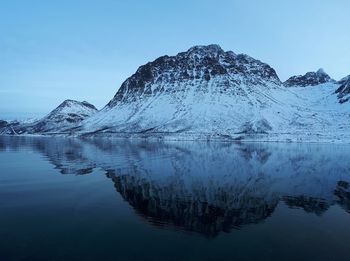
(66, 116)
(344, 90)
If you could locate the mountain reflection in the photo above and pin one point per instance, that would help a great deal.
(206, 212)
(206, 188)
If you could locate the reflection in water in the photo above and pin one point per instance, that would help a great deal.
(199, 210)
(207, 188)
(342, 192)
(309, 204)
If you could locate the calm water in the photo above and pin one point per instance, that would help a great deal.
(68, 199)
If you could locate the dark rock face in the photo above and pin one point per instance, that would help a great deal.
(309, 79)
(198, 64)
(3, 123)
(9, 128)
(344, 90)
(89, 105)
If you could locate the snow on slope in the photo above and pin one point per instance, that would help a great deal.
(204, 90)
(209, 93)
(66, 116)
(317, 114)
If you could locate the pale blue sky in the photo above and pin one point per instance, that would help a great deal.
(84, 50)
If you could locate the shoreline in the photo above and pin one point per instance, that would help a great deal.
(257, 138)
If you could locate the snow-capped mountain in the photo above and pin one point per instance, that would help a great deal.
(309, 79)
(202, 91)
(202, 66)
(64, 118)
(209, 93)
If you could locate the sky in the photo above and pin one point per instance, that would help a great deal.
(83, 50)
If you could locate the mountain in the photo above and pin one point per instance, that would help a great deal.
(344, 90)
(208, 93)
(204, 90)
(202, 66)
(309, 79)
(64, 118)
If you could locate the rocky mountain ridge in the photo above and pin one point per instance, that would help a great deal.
(309, 79)
(199, 63)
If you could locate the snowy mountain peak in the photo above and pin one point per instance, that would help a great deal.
(199, 69)
(321, 72)
(73, 103)
(72, 111)
(206, 48)
(66, 116)
(309, 79)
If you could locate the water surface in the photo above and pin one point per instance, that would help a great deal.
(100, 199)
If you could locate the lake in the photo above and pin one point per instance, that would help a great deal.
(104, 199)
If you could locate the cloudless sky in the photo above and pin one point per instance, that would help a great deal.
(54, 50)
